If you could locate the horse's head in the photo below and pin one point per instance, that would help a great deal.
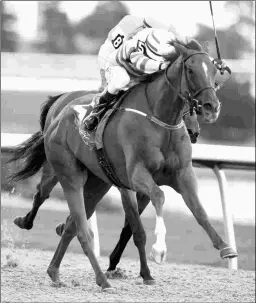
(198, 79)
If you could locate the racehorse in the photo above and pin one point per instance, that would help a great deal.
(147, 145)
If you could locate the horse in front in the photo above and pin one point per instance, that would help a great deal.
(146, 144)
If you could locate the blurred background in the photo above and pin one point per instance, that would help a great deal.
(48, 47)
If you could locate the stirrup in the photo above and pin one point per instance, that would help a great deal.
(91, 124)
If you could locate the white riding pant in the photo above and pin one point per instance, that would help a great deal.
(114, 76)
(117, 78)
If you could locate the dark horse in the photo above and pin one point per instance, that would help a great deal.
(147, 145)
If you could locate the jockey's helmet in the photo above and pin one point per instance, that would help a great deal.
(157, 44)
(152, 23)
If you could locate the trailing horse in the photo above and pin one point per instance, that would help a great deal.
(146, 145)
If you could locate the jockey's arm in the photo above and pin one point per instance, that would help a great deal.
(145, 64)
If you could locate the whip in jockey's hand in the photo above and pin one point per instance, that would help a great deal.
(220, 64)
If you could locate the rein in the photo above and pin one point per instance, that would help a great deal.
(153, 119)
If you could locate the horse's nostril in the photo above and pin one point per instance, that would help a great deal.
(208, 106)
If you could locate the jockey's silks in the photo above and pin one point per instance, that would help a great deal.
(132, 56)
(117, 36)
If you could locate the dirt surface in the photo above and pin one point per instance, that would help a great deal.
(24, 279)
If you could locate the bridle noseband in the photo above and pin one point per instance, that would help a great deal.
(194, 104)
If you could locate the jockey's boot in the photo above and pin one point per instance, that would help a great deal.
(98, 111)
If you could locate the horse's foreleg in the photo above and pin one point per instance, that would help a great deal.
(142, 181)
(94, 191)
(126, 234)
(75, 200)
(44, 188)
(187, 187)
(72, 178)
(139, 236)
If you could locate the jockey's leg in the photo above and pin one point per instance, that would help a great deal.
(117, 79)
(103, 80)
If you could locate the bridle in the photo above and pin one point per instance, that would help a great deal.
(190, 99)
(194, 104)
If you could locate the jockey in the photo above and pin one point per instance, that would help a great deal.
(127, 56)
(140, 55)
(128, 27)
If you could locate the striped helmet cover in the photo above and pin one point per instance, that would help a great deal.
(157, 44)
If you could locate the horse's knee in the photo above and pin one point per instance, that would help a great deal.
(139, 237)
(157, 197)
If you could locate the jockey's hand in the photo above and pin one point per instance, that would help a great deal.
(220, 64)
(163, 65)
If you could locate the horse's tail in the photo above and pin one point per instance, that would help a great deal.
(32, 150)
(45, 108)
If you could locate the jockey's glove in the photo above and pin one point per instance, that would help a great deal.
(220, 64)
(163, 65)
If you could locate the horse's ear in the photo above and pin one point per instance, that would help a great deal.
(180, 48)
(206, 47)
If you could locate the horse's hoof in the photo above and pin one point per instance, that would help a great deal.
(53, 273)
(108, 290)
(149, 282)
(106, 287)
(228, 252)
(60, 228)
(157, 256)
(19, 221)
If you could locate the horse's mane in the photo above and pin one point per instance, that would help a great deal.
(191, 44)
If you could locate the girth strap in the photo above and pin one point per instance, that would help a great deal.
(107, 168)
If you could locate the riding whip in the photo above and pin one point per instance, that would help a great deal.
(217, 45)
(215, 33)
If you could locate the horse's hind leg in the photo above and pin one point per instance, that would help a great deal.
(44, 188)
(126, 234)
(130, 205)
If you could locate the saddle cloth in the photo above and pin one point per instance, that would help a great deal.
(94, 138)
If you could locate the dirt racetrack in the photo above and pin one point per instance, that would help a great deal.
(24, 279)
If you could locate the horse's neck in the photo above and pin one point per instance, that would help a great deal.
(164, 101)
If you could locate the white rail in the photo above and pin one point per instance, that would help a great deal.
(216, 157)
